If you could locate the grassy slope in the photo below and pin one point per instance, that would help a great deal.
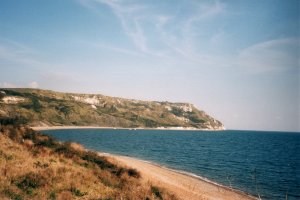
(44, 107)
(35, 166)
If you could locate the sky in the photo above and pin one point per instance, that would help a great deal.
(236, 60)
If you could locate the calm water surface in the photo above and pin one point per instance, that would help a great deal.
(260, 163)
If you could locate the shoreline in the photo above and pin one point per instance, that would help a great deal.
(43, 128)
(182, 184)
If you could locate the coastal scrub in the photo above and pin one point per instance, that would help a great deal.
(36, 166)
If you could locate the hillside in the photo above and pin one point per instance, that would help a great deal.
(37, 107)
(35, 166)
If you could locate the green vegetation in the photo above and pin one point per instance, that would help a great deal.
(156, 192)
(77, 192)
(47, 108)
(29, 182)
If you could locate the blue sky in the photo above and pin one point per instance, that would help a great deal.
(237, 60)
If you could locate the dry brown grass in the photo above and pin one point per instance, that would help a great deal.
(34, 166)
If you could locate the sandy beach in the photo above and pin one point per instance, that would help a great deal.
(183, 186)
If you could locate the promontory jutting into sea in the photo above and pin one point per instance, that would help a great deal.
(49, 108)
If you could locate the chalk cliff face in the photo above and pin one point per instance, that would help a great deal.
(46, 108)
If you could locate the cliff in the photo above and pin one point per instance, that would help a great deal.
(37, 107)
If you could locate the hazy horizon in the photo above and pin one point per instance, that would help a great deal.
(237, 61)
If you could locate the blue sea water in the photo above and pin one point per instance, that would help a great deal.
(260, 163)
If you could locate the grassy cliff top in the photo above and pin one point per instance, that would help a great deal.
(48, 108)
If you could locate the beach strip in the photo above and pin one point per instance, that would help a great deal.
(182, 185)
(42, 128)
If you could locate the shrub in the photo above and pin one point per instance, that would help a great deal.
(48, 142)
(13, 132)
(15, 121)
(196, 119)
(148, 122)
(100, 161)
(77, 192)
(106, 181)
(177, 111)
(134, 173)
(52, 195)
(30, 135)
(120, 171)
(30, 181)
(34, 103)
(12, 195)
(66, 150)
(156, 192)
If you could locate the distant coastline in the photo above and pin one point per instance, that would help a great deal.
(40, 128)
(50, 108)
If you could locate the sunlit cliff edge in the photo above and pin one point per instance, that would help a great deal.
(44, 108)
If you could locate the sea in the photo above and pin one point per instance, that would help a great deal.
(263, 164)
